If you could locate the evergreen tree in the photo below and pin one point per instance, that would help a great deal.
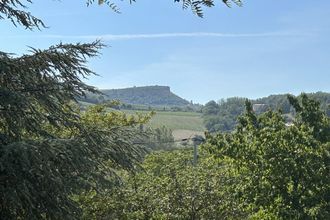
(47, 151)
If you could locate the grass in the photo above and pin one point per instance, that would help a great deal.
(175, 120)
(178, 120)
(182, 124)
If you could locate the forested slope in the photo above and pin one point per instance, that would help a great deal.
(222, 115)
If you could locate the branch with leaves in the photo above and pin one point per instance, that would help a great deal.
(36, 88)
(15, 11)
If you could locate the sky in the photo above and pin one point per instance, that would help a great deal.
(262, 48)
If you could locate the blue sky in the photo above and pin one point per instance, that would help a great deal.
(265, 47)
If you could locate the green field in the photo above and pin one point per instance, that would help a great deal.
(183, 124)
(178, 120)
(175, 120)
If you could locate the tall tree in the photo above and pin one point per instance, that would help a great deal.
(40, 164)
(47, 151)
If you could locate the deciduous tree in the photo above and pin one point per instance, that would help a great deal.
(283, 171)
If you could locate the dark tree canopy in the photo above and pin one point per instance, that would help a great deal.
(48, 149)
(37, 88)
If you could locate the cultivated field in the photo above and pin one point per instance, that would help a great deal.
(183, 124)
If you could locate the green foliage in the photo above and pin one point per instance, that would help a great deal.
(276, 102)
(48, 150)
(283, 172)
(37, 88)
(99, 114)
(39, 174)
(159, 139)
(169, 187)
(309, 114)
(222, 116)
(282, 103)
(211, 108)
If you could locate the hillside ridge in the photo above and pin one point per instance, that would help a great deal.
(142, 95)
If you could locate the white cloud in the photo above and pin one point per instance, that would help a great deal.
(113, 37)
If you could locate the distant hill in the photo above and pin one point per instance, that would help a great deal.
(145, 95)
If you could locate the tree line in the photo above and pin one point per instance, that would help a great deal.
(223, 115)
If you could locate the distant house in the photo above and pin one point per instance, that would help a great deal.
(289, 124)
(259, 108)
